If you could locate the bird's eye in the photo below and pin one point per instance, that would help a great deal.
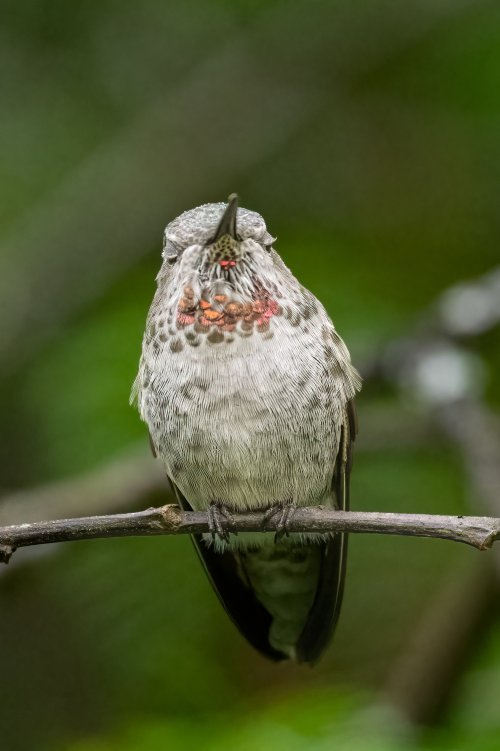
(170, 252)
(268, 247)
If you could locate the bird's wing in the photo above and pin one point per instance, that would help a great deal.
(325, 609)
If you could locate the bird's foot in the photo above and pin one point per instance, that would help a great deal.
(285, 513)
(220, 521)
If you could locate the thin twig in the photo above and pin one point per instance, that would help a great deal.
(478, 531)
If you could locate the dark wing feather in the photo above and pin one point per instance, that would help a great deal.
(325, 610)
(238, 599)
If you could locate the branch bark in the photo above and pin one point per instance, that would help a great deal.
(478, 531)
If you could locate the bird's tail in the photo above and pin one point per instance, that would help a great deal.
(284, 578)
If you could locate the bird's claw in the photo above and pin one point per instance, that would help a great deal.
(220, 521)
(285, 512)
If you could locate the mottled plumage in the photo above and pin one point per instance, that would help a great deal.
(247, 392)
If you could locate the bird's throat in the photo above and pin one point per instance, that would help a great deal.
(223, 312)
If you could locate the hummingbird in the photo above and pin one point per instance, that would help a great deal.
(248, 393)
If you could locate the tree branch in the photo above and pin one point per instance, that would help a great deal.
(478, 531)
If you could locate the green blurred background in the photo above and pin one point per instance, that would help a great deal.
(367, 134)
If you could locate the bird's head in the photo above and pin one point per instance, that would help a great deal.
(219, 268)
(218, 242)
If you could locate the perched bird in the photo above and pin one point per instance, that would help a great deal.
(248, 391)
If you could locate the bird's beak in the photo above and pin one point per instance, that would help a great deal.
(227, 224)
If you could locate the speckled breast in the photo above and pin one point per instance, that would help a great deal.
(240, 403)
